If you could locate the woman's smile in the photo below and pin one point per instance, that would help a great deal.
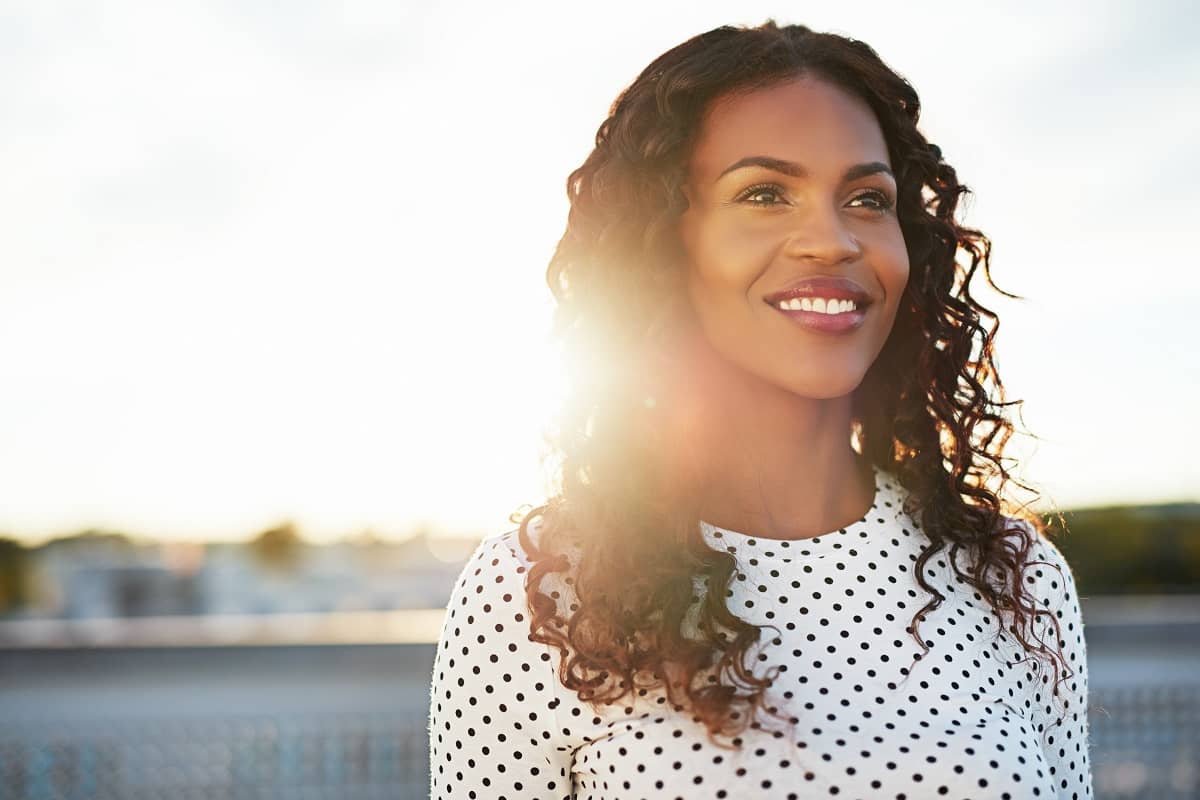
(824, 305)
(816, 317)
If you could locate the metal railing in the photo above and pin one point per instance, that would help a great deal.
(287, 756)
(272, 717)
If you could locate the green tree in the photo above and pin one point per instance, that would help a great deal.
(279, 549)
(1133, 549)
(14, 575)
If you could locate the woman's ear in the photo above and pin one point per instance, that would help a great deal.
(688, 193)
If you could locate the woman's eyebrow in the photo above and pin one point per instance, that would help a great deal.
(795, 170)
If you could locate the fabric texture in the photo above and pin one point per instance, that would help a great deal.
(972, 718)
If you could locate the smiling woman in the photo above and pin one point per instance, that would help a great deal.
(782, 427)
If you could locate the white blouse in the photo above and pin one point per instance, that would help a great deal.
(973, 718)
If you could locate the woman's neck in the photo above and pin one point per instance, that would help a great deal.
(763, 460)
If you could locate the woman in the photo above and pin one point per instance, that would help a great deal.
(772, 567)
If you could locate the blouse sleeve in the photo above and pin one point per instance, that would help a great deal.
(492, 730)
(1065, 744)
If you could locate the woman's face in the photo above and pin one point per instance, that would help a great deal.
(788, 184)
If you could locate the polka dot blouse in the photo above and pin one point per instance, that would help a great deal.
(973, 718)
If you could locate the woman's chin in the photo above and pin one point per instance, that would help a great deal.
(830, 386)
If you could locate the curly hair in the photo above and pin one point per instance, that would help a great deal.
(621, 526)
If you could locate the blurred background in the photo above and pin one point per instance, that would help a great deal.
(274, 357)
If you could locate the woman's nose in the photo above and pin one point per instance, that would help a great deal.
(822, 235)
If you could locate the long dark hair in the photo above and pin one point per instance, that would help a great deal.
(620, 529)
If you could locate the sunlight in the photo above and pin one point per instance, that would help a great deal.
(306, 282)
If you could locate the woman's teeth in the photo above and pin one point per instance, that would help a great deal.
(817, 304)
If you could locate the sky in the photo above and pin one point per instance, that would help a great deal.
(266, 262)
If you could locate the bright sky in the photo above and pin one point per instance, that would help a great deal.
(264, 261)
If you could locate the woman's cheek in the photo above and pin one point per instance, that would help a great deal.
(744, 249)
(900, 270)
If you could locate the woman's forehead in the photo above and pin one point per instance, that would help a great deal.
(806, 120)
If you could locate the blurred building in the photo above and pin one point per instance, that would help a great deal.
(97, 575)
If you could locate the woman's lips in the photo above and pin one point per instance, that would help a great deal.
(819, 321)
(822, 290)
(822, 286)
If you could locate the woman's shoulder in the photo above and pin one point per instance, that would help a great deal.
(1044, 572)
(1050, 575)
(499, 566)
(1045, 565)
(505, 547)
(487, 612)
(494, 725)
(510, 548)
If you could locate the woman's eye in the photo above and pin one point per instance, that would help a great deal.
(877, 201)
(762, 195)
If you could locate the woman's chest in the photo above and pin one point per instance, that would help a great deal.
(875, 715)
(994, 754)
